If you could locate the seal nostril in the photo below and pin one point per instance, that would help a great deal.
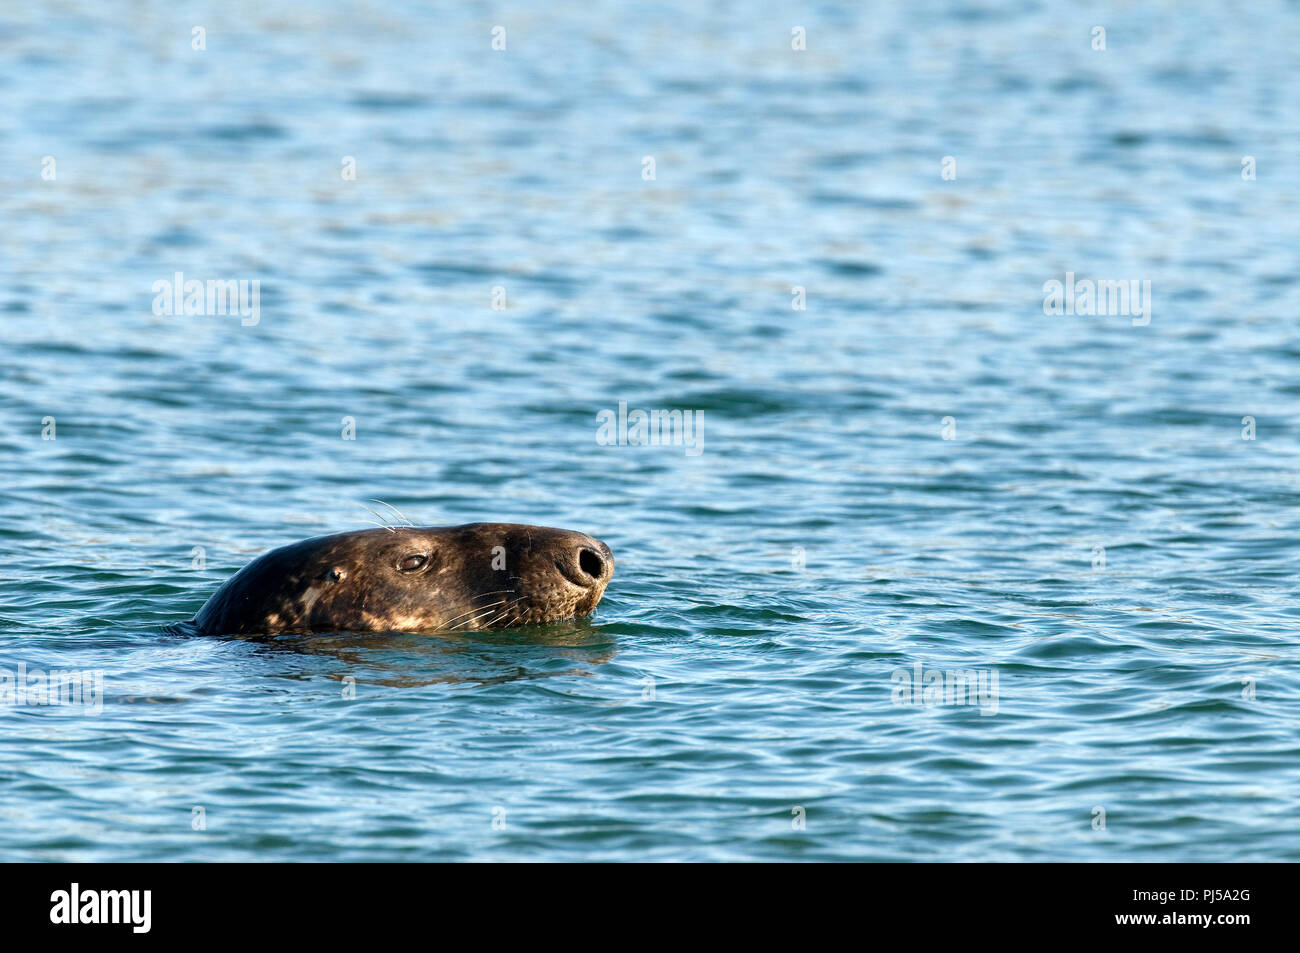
(591, 563)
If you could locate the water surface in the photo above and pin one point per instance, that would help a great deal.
(1097, 533)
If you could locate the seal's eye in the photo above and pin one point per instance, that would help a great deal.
(413, 562)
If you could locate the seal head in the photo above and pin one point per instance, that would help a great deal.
(414, 579)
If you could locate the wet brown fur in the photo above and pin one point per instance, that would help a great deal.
(352, 582)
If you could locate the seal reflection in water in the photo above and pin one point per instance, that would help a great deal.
(413, 579)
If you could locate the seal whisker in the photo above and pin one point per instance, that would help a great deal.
(382, 522)
(504, 612)
(477, 609)
(454, 621)
(399, 513)
(479, 614)
(504, 604)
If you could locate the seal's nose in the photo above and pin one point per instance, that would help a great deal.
(583, 560)
(595, 566)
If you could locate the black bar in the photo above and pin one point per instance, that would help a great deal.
(940, 903)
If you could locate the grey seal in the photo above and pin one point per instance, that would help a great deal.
(413, 579)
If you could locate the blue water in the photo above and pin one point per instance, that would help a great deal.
(1097, 534)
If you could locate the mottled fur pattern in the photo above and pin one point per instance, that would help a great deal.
(413, 579)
